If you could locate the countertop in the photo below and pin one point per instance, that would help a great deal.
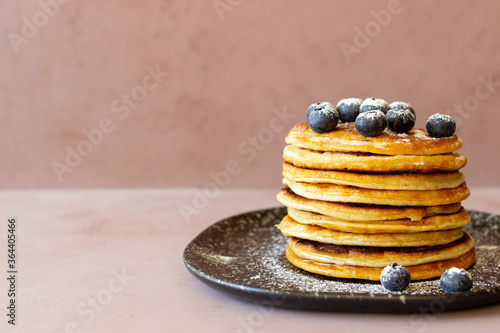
(111, 261)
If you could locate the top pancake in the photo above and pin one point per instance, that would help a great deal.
(345, 138)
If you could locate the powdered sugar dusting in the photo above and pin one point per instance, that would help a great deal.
(442, 117)
(350, 101)
(380, 103)
(328, 111)
(399, 104)
(405, 114)
(371, 115)
(421, 134)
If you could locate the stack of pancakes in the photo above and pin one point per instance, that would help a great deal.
(357, 204)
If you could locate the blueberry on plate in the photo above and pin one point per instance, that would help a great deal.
(374, 104)
(400, 120)
(316, 105)
(348, 109)
(323, 118)
(440, 125)
(371, 123)
(402, 105)
(456, 280)
(395, 277)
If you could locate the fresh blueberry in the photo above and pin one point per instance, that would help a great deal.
(395, 277)
(323, 119)
(440, 125)
(402, 105)
(316, 105)
(348, 109)
(374, 104)
(400, 120)
(371, 123)
(456, 280)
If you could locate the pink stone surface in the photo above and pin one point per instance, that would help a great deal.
(227, 72)
(111, 261)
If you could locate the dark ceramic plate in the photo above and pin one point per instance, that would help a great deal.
(244, 256)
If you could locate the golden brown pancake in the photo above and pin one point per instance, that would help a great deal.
(342, 193)
(418, 272)
(362, 212)
(378, 256)
(345, 138)
(430, 223)
(365, 162)
(291, 228)
(379, 181)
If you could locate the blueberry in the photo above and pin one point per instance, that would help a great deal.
(348, 109)
(440, 125)
(323, 118)
(374, 104)
(456, 280)
(402, 105)
(371, 123)
(316, 105)
(400, 120)
(395, 277)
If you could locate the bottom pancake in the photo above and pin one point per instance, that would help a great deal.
(379, 256)
(418, 272)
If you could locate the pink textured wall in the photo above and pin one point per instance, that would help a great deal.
(175, 93)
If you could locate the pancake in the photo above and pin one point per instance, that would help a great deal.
(342, 193)
(418, 272)
(357, 204)
(291, 228)
(362, 212)
(377, 256)
(431, 223)
(363, 162)
(345, 138)
(380, 181)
